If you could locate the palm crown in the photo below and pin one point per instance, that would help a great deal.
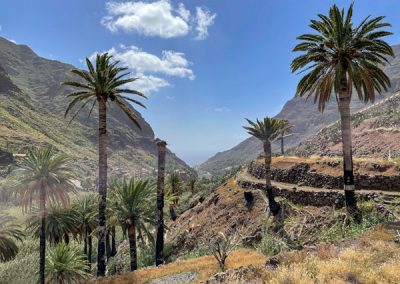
(133, 201)
(286, 127)
(104, 81)
(265, 130)
(342, 52)
(43, 169)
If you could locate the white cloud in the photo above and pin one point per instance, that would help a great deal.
(149, 67)
(158, 19)
(148, 84)
(204, 19)
(150, 19)
(183, 12)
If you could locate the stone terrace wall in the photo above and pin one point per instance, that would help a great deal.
(300, 174)
(313, 198)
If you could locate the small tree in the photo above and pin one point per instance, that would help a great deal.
(221, 248)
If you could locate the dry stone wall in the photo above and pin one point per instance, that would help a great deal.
(300, 174)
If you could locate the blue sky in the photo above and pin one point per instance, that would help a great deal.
(205, 64)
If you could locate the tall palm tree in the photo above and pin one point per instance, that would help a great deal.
(134, 206)
(174, 184)
(65, 265)
(85, 215)
(342, 56)
(9, 233)
(192, 183)
(60, 223)
(286, 128)
(103, 83)
(45, 176)
(161, 145)
(266, 131)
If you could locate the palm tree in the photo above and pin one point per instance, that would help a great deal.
(266, 131)
(174, 183)
(161, 145)
(102, 84)
(192, 183)
(135, 208)
(342, 56)
(45, 176)
(65, 265)
(60, 222)
(9, 232)
(286, 128)
(85, 215)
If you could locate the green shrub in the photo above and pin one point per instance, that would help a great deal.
(272, 245)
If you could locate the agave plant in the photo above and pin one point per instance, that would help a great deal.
(65, 265)
(9, 233)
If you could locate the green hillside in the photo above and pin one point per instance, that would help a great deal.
(32, 106)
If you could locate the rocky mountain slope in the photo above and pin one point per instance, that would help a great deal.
(376, 133)
(306, 119)
(32, 106)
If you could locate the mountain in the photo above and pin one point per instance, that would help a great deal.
(376, 133)
(32, 106)
(306, 119)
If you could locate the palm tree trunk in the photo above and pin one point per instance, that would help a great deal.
(274, 207)
(172, 213)
(282, 146)
(132, 244)
(90, 249)
(108, 246)
(113, 243)
(42, 241)
(348, 175)
(101, 261)
(160, 203)
(85, 248)
(66, 238)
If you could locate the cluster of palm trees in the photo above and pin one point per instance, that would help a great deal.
(341, 58)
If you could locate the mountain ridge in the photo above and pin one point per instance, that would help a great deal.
(32, 109)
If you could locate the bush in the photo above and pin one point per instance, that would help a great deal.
(272, 245)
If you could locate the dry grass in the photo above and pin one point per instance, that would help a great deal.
(373, 258)
(205, 266)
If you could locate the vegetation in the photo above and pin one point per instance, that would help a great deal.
(267, 131)
(134, 206)
(103, 84)
(45, 176)
(286, 128)
(65, 265)
(9, 232)
(343, 56)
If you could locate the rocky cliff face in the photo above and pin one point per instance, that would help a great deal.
(305, 117)
(32, 106)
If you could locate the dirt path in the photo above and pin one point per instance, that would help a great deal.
(245, 176)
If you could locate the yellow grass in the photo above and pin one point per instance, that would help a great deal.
(205, 266)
